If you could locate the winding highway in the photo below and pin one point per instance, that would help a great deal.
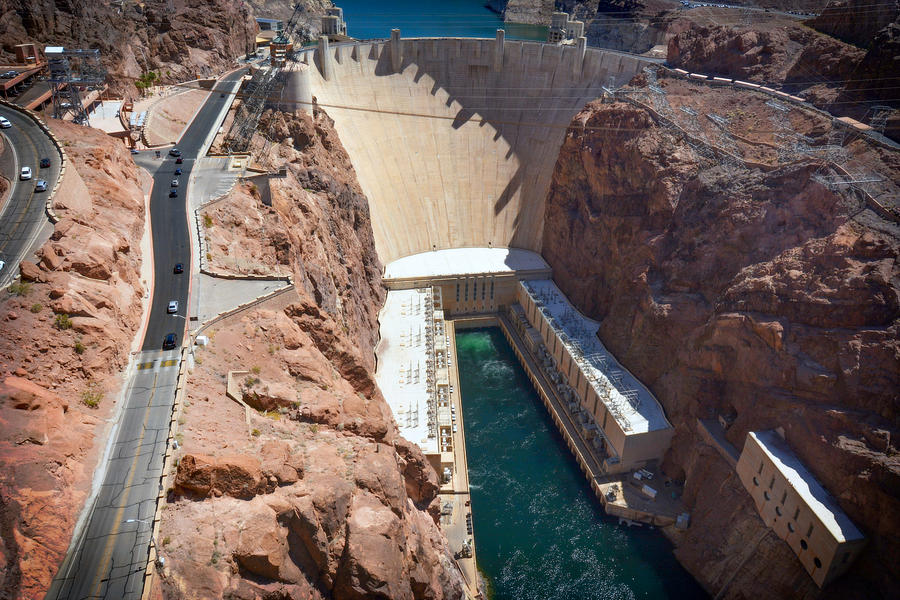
(22, 216)
(107, 557)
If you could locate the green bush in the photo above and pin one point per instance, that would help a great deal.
(207, 221)
(63, 322)
(79, 347)
(20, 288)
(255, 433)
(36, 307)
(92, 395)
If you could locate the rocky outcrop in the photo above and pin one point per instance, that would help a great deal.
(322, 499)
(194, 39)
(856, 21)
(533, 12)
(751, 293)
(67, 328)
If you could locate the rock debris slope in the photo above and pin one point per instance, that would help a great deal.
(752, 293)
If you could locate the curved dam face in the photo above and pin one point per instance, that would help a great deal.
(454, 140)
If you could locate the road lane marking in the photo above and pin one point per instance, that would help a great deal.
(126, 489)
(145, 365)
(169, 363)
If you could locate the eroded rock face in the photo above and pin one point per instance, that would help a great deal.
(197, 38)
(64, 337)
(318, 497)
(748, 292)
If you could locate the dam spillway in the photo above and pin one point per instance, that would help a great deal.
(454, 141)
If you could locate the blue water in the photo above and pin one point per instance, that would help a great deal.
(447, 18)
(539, 531)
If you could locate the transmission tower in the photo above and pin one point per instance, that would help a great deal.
(260, 89)
(71, 72)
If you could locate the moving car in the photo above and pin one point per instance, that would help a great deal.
(179, 160)
(173, 193)
(45, 163)
(169, 341)
(175, 152)
(25, 174)
(178, 171)
(4, 123)
(135, 151)
(2, 264)
(40, 186)
(173, 307)
(9, 74)
(179, 268)
(174, 183)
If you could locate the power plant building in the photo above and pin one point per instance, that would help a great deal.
(797, 508)
(628, 424)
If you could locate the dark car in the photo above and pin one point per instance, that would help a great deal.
(179, 160)
(178, 171)
(175, 152)
(173, 193)
(179, 268)
(169, 342)
(45, 163)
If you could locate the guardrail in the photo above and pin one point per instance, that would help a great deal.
(48, 205)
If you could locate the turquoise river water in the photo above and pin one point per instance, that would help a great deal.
(539, 531)
(447, 18)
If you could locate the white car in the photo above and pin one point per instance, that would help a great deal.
(173, 307)
(40, 186)
(2, 264)
(25, 175)
(4, 123)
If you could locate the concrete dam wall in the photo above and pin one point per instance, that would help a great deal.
(458, 138)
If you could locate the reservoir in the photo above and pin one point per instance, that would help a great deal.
(539, 531)
(446, 18)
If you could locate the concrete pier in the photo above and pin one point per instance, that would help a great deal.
(498, 51)
(396, 50)
(325, 59)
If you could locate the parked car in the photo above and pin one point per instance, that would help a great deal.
(175, 152)
(173, 193)
(9, 74)
(174, 183)
(4, 123)
(45, 163)
(173, 307)
(179, 268)
(40, 186)
(25, 174)
(169, 341)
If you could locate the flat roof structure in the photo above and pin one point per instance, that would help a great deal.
(819, 501)
(403, 358)
(464, 261)
(627, 399)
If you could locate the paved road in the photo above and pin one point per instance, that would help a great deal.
(23, 216)
(108, 556)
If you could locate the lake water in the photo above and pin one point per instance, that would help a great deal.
(539, 531)
(447, 18)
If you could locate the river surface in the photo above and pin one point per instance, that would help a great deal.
(445, 18)
(539, 531)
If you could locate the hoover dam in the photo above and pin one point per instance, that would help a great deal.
(454, 140)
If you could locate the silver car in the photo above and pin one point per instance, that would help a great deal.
(40, 186)
(173, 307)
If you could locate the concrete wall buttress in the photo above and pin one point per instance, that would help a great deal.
(325, 60)
(396, 50)
(498, 50)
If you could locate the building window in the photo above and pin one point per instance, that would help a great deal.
(797, 513)
(778, 510)
(809, 531)
(492, 289)
(457, 291)
(755, 481)
(790, 527)
(467, 299)
(483, 289)
(772, 483)
(767, 496)
(803, 544)
(759, 470)
(817, 562)
(783, 498)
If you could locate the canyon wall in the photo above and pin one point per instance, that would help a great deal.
(309, 492)
(751, 293)
(195, 38)
(67, 329)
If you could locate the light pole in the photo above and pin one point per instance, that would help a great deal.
(159, 559)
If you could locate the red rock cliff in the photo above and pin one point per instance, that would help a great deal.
(316, 496)
(752, 293)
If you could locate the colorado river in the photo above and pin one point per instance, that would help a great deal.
(539, 531)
